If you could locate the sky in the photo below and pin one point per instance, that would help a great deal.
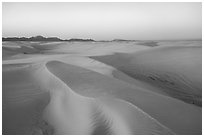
(103, 21)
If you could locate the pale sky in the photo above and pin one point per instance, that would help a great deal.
(103, 21)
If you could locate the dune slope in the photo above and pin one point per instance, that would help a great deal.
(81, 88)
(38, 102)
(187, 118)
(174, 69)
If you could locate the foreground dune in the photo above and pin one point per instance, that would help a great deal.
(187, 118)
(61, 88)
(64, 108)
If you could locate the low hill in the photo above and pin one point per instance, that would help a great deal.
(41, 38)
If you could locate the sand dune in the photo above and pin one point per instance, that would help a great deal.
(187, 118)
(65, 88)
(20, 48)
(64, 109)
(175, 69)
(88, 48)
(22, 101)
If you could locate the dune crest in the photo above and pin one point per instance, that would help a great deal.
(162, 108)
(65, 102)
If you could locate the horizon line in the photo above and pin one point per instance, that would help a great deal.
(101, 39)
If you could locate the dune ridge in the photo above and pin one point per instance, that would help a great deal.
(88, 103)
(92, 84)
(62, 107)
(92, 88)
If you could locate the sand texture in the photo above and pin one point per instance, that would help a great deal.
(102, 88)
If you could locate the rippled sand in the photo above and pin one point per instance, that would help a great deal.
(101, 88)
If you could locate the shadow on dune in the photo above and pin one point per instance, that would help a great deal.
(186, 118)
(22, 102)
(175, 70)
(65, 109)
(35, 101)
(49, 98)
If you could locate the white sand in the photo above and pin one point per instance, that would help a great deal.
(92, 84)
(35, 85)
(57, 89)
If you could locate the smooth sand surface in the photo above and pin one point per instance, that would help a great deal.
(80, 88)
(177, 70)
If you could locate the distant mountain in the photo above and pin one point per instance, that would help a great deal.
(41, 38)
(36, 38)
